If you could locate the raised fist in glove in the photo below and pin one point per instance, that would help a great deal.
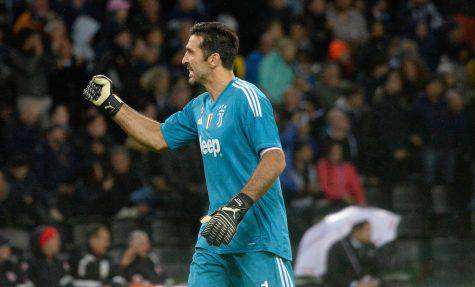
(99, 92)
(222, 225)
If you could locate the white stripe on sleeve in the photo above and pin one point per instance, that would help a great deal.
(247, 96)
(280, 272)
(254, 96)
(286, 273)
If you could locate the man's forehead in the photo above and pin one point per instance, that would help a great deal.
(194, 42)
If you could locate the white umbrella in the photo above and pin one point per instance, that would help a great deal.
(316, 242)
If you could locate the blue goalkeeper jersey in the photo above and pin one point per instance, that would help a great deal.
(232, 132)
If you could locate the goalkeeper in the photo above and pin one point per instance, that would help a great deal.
(244, 240)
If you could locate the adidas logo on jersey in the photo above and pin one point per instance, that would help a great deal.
(210, 146)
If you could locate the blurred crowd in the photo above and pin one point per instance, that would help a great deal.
(138, 264)
(365, 93)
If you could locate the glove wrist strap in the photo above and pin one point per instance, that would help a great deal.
(241, 201)
(112, 105)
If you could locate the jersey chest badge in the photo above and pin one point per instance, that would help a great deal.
(208, 121)
(221, 111)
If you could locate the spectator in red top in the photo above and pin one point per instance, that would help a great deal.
(339, 179)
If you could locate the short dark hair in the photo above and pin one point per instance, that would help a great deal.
(359, 225)
(217, 38)
(94, 229)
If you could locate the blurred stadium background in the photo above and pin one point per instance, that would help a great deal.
(385, 86)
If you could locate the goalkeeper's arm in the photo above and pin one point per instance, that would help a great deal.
(146, 131)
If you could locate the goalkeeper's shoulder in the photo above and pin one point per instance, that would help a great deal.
(196, 102)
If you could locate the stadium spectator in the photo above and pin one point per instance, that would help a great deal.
(290, 107)
(148, 15)
(352, 261)
(391, 134)
(46, 269)
(299, 178)
(95, 143)
(430, 126)
(96, 265)
(299, 33)
(380, 13)
(276, 10)
(417, 11)
(338, 130)
(275, 71)
(156, 50)
(68, 200)
(6, 203)
(339, 180)
(36, 17)
(328, 88)
(458, 124)
(320, 30)
(11, 274)
(254, 59)
(375, 48)
(124, 181)
(156, 83)
(29, 200)
(72, 10)
(94, 190)
(21, 133)
(184, 10)
(347, 22)
(31, 65)
(60, 115)
(138, 263)
(427, 44)
(414, 76)
(352, 103)
(55, 160)
(83, 30)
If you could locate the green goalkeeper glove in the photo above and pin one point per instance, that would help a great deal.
(99, 92)
(223, 223)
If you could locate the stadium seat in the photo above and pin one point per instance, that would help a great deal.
(120, 229)
(407, 197)
(19, 238)
(413, 225)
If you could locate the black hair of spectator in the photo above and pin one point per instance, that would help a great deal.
(217, 38)
(18, 160)
(53, 127)
(359, 225)
(91, 118)
(352, 91)
(22, 36)
(436, 79)
(331, 146)
(94, 230)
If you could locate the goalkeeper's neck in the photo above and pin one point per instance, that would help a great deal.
(217, 81)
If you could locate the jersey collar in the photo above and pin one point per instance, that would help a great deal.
(213, 103)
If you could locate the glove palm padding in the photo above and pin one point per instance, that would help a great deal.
(224, 222)
(99, 92)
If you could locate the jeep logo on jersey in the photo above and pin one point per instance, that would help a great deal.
(210, 146)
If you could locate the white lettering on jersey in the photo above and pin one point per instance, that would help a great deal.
(221, 111)
(210, 146)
